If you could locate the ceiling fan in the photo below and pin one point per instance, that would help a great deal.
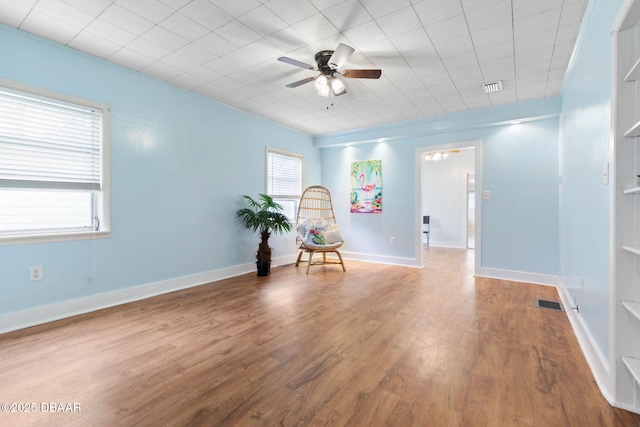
(329, 63)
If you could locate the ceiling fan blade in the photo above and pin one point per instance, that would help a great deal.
(301, 82)
(296, 63)
(361, 74)
(340, 55)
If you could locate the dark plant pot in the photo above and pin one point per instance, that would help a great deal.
(264, 268)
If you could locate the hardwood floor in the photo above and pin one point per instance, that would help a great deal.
(377, 345)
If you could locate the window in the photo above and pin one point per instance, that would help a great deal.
(284, 179)
(53, 157)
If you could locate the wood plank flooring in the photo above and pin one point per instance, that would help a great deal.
(378, 345)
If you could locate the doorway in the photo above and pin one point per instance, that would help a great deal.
(456, 179)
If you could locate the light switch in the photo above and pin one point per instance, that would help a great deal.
(486, 194)
(605, 173)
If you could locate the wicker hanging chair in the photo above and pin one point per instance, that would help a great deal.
(316, 212)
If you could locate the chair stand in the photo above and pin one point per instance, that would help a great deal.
(324, 258)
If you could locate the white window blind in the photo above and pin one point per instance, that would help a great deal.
(48, 144)
(50, 164)
(284, 174)
(284, 180)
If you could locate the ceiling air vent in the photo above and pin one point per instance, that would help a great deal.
(492, 87)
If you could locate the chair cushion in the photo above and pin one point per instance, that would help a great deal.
(315, 247)
(315, 235)
(319, 233)
(333, 234)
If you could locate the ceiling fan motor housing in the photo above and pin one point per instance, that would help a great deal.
(322, 59)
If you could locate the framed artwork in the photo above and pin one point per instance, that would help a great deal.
(366, 186)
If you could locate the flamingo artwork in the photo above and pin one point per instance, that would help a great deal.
(366, 197)
(367, 188)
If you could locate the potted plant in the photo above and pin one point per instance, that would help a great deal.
(266, 216)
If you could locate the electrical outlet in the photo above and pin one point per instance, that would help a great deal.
(35, 273)
(392, 241)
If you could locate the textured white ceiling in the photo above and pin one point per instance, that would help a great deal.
(435, 55)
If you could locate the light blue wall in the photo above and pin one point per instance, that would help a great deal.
(368, 234)
(584, 148)
(179, 161)
(520, 221)
(520, 167)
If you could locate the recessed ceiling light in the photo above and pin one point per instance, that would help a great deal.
(492, 87)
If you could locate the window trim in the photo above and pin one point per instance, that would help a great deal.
(105, 203)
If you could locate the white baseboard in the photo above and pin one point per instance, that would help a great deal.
(595, 359)
(39, 315)
(49, 313)
(382, 259)
(518, 276)
(454, 245)
(284, 260)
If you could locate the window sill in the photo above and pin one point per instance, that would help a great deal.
(28, 239)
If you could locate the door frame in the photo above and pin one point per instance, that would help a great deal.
(420, 151)
(474, 209)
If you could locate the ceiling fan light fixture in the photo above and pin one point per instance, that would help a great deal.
(337, 86)
(322, 85)
(439, 155)
(329, 63)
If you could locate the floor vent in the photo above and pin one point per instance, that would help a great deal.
(553, 305)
